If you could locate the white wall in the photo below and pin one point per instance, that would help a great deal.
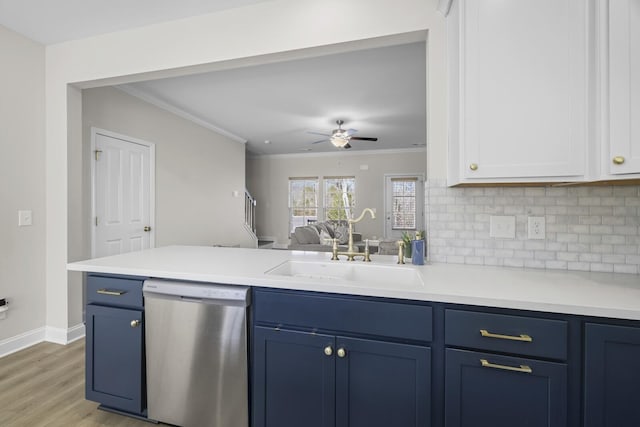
(22, 163)
(197, 170)
(261, 32)
(268, 181)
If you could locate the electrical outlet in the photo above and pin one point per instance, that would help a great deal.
(502, 227)
(4, 306)
(536, 227)
(25, 218)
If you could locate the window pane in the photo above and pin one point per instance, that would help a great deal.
(339, 197)
(303, 202)
(404, 204)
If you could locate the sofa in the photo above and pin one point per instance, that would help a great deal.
(317, 237)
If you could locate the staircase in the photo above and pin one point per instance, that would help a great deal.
(250, 216)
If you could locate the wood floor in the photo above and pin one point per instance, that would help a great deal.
(43, 385)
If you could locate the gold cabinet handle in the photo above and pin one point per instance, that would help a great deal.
(135, 323)
(113, 292)
(522, 368)
(342, 352)
(147, 228)
(521, 337)
(328, 350)
(473, 166)
(618, 160)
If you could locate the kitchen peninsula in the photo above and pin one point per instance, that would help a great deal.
(364, 342)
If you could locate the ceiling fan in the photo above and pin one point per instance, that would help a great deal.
(341, 137)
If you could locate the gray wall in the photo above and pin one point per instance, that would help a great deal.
(22, 168)
(197, 170)
(268, 181)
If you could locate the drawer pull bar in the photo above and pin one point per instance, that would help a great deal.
(523, 368)
(113, 292)
(521, 337)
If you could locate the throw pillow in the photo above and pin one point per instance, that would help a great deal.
(342, 234)
(325, 239)
(327, 228)
(307, 235)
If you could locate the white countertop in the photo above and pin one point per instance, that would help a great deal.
(593, 294)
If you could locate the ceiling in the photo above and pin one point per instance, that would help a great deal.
(380, 92)
(55, 21)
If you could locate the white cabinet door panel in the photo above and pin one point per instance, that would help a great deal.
(523, 88)
(624, 86)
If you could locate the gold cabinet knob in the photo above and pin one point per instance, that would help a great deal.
(328, 350)
(342, 352)
(135, 323)
(473, 166)
(147, 228)
(618, 160)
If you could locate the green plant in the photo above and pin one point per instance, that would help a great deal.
(407, 238)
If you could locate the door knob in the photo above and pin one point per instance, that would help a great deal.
(147, 228)
(473, 166)
(135, 323)
(328, 350)
(342, 352)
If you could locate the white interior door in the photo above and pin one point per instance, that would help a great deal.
(122, 194)
(404, 205)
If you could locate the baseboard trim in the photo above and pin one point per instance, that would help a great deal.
(75, 333)
(36, 336)
(22, 341)
(64, 336)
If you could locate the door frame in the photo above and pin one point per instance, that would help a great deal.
(152, 182)
(422, 197)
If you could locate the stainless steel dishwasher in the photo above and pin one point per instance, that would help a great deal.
(196, 353)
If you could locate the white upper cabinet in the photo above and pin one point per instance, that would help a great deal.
(619, 38)
(519, 90)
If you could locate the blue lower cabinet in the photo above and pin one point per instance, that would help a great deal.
(483, 389)
(315, 380)
(294, 379)
(382, 384)
(114, 357)
(611, 376)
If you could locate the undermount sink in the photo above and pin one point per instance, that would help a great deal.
(356, 274)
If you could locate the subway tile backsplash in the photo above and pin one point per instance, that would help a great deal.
(595, 228)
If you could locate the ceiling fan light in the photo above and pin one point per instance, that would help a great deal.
(339, 142)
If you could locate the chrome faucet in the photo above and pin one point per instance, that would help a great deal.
(351, 253)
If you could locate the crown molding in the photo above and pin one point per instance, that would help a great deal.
(339, 153)
(178, 112)
(444, 6)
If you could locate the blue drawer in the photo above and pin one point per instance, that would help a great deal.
(344, 314)
(114, 291)
(529, 336)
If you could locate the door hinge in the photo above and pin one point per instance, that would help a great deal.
(96, 221)
(97, 152)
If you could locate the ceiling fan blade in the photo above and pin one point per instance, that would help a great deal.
(350, 132)
(318, 142)
(317, 133)
(347, 146)
(363, 138)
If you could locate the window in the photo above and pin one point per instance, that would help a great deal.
(339, 197)
(303, 201)
(404, 202)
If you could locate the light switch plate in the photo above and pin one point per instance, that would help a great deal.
(502, 227)
(25, 218)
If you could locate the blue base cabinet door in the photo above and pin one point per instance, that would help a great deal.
(114, 357)
(294, 379)
(484, 389)
(382, 384)
(612, 376)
